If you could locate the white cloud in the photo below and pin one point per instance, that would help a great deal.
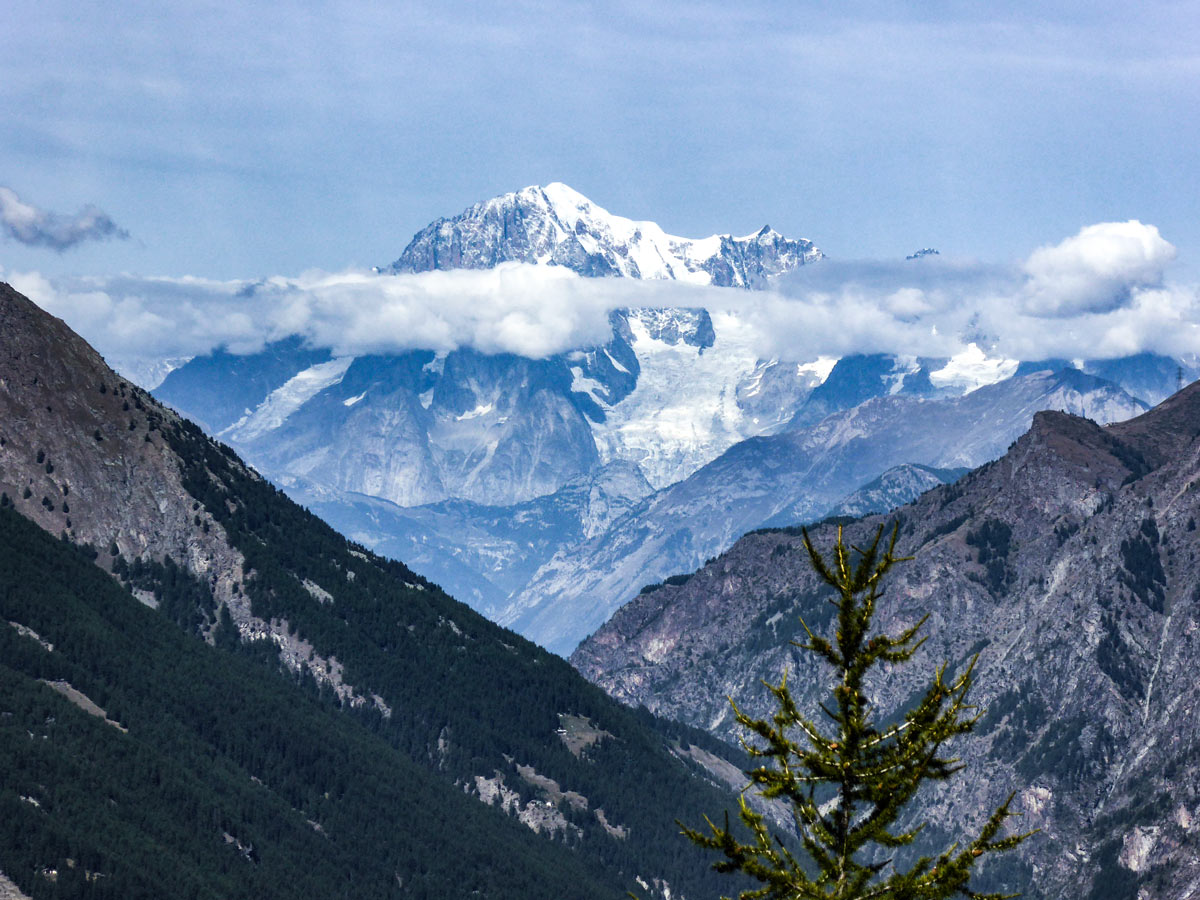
(528, 310)
(1105, 287)
(1095, 270)
(1162, 320)
(36, 227)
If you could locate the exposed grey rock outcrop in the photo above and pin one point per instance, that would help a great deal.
(82, 452)
(1071, 566)
(898, 485)
(86, 454)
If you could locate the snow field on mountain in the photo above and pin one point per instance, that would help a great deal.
(285, 400)
(971, 369)
(655, 253)
(690, 404)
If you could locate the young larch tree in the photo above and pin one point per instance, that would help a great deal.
(849, 781)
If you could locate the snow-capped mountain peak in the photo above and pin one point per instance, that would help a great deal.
(556, 225)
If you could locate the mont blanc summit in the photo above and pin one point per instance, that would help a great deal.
(556, 225)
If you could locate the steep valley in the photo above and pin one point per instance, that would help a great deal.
(299, 697)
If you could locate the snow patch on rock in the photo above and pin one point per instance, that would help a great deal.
(693, 402)
(286, 399)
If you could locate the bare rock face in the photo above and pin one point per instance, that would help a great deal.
(415, 429)
(794, 476)
(86, 454)
(485, 552)
(9, 891)
(898, 485)
(82, 452)
(1070, 566)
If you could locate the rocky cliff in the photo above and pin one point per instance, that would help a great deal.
(84, 453)
(1070, 565)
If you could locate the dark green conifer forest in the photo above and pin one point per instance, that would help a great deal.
(313, 802)
(238, 778)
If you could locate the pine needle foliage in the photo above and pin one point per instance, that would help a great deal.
(848, 781)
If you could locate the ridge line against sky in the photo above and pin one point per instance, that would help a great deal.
(233, 142)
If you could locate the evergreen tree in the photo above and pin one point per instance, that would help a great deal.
(848, 783)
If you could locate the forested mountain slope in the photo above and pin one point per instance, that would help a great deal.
(227, 557)
(200, 773)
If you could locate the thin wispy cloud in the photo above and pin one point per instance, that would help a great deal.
(27, 224)
(1102, 293)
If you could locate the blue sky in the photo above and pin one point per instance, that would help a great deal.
(245, 139)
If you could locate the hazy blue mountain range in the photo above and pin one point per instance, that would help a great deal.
(487, 552)
(413, 453)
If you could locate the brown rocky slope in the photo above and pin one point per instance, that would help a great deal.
(82, 451)
(86, 454)
(1070, 565)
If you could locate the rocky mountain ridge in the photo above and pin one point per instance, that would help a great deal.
(486, 552)
(1070, 566)
(410, 452)
(897, 486)
(782, 479)
(667, 392)
(499, 434)
(84, 453)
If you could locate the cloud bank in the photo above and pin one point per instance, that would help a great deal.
(35, 227)
(1096, 270)
(1102, 293)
